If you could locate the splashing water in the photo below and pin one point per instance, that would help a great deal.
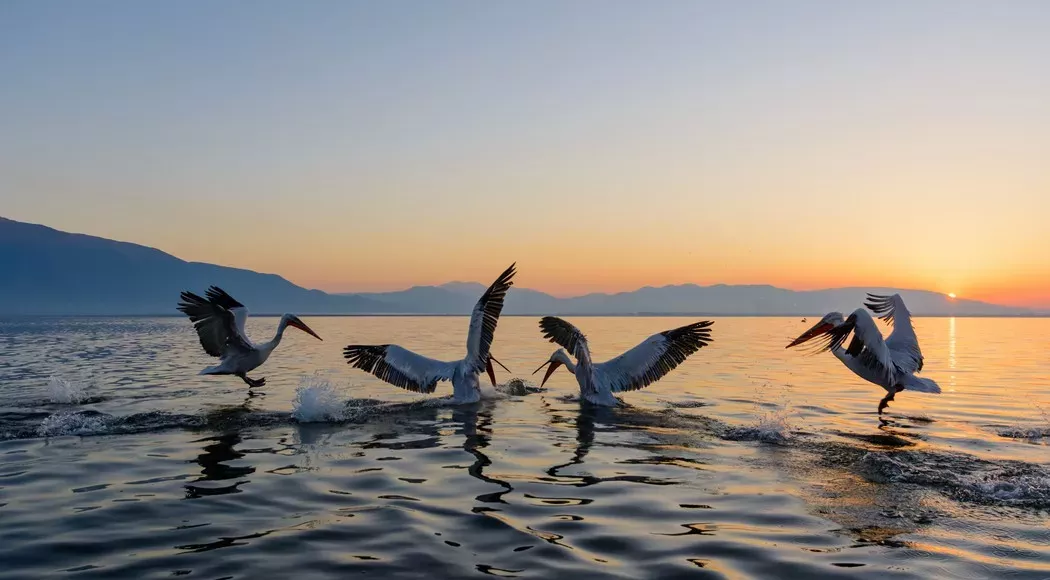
(66, 392)
(316, 401)
(71, 424)
(770, 426)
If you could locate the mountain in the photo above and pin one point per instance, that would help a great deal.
(742, 300)
(46, 271)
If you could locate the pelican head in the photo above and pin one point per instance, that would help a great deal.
(830, 321)
(559, 357)
(293, 321)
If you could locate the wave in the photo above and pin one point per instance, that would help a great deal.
(1029, 433)
(961, 477)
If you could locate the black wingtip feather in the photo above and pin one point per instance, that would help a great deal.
(219, 296)
(372, 359)
(562, 333)
(881, 305)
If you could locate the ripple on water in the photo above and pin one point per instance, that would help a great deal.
(170, 474)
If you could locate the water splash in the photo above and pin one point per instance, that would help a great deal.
(519, 388)
(71, 424)
(67, 392)
(1010, 483)
(317, 401)
(1029, 433)
(770, 426)
(1013, 489)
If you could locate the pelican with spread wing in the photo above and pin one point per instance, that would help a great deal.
(219, 320)
(890, 363)
(635, 369)
(403, 368)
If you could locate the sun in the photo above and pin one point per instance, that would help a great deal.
(951, 295)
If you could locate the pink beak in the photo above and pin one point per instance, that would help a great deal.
(492, 374)
(550, 370)
(303, 327)
(817, 330)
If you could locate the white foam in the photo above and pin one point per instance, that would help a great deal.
(1030, 433)
(1015, 488)
(317, 401)
(71, 424)
(67, 392)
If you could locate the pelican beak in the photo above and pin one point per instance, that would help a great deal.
(492, 374)
(492, 359)
(550, 370)
(817, 330)
(303, 327)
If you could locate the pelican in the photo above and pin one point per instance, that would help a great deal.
(890, 363)
(219, 321)
(637, 368)
(403, 368)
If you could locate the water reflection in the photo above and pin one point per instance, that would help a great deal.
(621, 419)
(213, 466)
(476, 427)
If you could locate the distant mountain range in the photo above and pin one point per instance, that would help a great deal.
(46, 271)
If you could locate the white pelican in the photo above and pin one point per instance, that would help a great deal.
(219, 321)
(403, 368)
(892, 363)
(637, 368)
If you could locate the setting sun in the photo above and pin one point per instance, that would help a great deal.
(951, 295)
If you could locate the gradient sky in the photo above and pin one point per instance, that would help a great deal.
(604, 145)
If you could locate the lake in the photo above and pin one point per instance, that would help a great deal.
(748, 460)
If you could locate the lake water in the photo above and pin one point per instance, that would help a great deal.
(118, 461)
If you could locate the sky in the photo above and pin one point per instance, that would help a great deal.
(603, 145)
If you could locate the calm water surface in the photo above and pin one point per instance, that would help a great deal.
(749, 460)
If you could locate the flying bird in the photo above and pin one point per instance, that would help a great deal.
(890, 363)
(403, 368)
(637, 368)
(219, 320)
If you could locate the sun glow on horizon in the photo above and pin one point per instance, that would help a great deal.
(951, 295)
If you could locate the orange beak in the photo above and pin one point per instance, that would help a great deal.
(492, 374)
(817, 330)
(303, 327)
(550, 370)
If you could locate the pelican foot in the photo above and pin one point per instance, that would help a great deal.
(885, 402)
(253, 383)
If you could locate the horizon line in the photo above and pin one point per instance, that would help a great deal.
(559, 297)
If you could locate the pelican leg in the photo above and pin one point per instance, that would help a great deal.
(252, 383)
(885, 402)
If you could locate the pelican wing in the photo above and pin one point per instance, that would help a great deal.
(655, 357)
(566, 336)
(215, 324)
(399, 367)
(902, 342)
(219, 296)
(484, 319)
(867, 345)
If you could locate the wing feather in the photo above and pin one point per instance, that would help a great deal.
(484, 318)
(867, 346)
(902, 342)
(215, 325)
(399, 366)
(655, 357)
(566, 336)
